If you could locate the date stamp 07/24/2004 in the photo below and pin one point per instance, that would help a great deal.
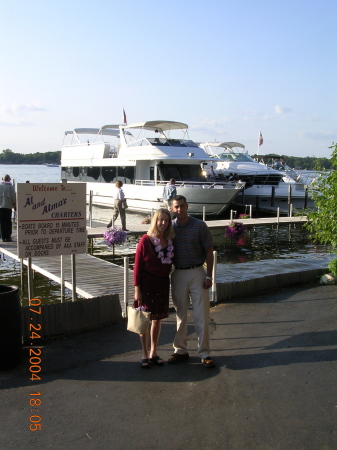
(35, 359)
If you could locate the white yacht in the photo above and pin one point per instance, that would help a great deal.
(264, 186)
(144, 156)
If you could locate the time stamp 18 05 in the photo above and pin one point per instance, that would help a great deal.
(35, 359)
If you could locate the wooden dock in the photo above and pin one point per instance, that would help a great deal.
(98, 228)
(95, 277)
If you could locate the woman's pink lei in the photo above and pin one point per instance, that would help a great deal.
(158, 248)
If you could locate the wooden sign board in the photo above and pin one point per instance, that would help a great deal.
(51, 219)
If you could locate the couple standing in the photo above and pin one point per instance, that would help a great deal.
(186, 242)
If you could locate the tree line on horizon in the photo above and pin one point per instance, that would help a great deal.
(307, 163)
(9, 157)
(297, 162)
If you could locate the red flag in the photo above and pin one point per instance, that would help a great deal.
(124, 117)
(260, 139)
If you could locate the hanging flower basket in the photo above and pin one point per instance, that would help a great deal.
(235, 230)
(146, 219)
(114, 236)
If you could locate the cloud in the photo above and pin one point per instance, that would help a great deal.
(282, 109)
(311, 119)
(211, 126)
(255, 116)
(20, 109)
(321, 135)
(18, 123)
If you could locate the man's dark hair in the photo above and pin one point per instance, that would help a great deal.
(178, 198)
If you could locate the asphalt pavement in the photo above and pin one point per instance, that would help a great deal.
(274, 386)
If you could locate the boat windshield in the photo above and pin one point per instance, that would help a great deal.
(161, 142)
(235, 157)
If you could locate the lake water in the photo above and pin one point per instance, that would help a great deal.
(264, 250)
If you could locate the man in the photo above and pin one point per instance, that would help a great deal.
(211, 172)
(192, 247)
(7, 203)
(119, 199)
(169, 192)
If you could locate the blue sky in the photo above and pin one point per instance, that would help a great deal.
(227, 69)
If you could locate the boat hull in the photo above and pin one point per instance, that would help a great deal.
(269, 198)
(144, 198)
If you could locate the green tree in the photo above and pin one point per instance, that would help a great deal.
(9, 157)
(323, 221)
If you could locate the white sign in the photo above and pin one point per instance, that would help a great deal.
(51, 219)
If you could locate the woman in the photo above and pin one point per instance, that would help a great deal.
(153, 263)
(119, 199)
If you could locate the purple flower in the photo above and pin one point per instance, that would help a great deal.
(114, 236)
(235, 230)
(146, 219)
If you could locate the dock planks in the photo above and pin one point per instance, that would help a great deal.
(95, 277)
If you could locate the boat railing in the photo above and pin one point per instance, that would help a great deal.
(194, 184)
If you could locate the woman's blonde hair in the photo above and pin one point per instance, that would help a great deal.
(153, 231)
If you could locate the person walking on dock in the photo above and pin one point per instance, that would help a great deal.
(119, 203)
(7, 203)
(153, 263)
(169, 192)
(193, 246)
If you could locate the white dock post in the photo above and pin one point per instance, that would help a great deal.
(21, 275)
(291, 210)
(30, 278)
(126, 285)
(62, 279)
(213, 288)
(204, 213)
(250, 211)
(90, 208)
(231, 218)
(73, 277)
(278, 214)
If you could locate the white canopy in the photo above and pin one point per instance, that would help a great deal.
(162, 125)
(107, 131)
(223, 144)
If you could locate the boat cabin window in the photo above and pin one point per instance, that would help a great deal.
(93, 173)
(99, 174)
(72, 173)
(126, 174)
(109, 174)
(76, 173)
(181, 172)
